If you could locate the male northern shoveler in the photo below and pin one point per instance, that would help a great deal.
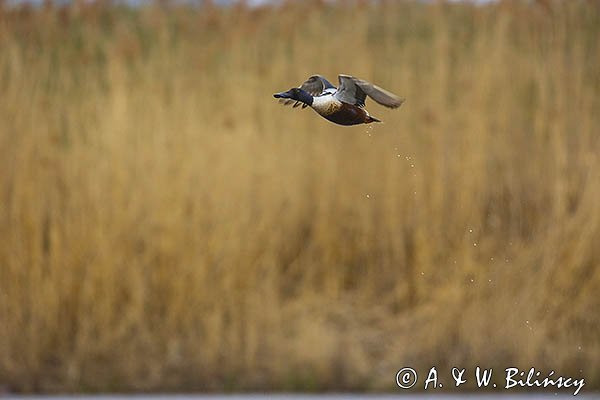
(344, 105)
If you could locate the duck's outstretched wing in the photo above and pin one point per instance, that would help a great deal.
(315, 85)
(355, 91)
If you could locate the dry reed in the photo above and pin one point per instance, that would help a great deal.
(166, 225)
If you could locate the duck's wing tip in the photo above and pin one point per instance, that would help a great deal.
(392, 103)
(380, 95)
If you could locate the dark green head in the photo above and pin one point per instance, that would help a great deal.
(295, 94)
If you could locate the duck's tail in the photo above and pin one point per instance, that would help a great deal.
(370, 119)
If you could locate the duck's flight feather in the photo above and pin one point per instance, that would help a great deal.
(355, 91)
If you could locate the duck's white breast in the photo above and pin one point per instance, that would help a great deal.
(326, 104)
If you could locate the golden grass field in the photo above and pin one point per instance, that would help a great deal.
(166, 225)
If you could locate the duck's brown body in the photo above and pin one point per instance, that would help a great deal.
(341, 113)
(349, 114)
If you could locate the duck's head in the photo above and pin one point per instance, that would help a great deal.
(295, 94)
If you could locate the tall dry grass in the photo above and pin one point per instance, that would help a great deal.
(166, 225)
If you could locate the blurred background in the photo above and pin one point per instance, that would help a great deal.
(166, 225)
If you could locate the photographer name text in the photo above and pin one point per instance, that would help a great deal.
(509, 378)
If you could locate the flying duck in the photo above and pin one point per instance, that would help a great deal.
(344, 105)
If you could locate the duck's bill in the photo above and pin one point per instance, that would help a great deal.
(282, 95)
